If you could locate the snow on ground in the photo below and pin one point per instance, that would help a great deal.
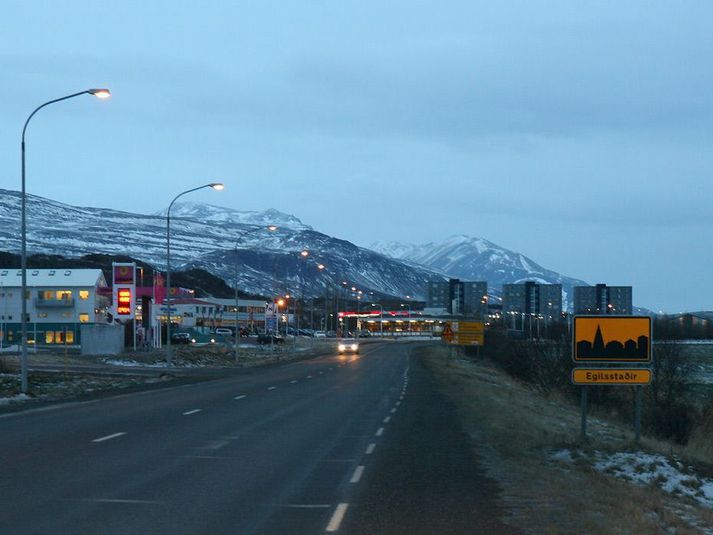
(669, 474)
(14, 399)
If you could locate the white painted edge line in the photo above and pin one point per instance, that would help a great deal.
(370, 448)
(242, 396)
(293, 381)
(356, 476)
(271, 387)
(109, 437)
(337, 517)
(188, 413)
(109, 500)
(387, 419)
(304, 505)
(379, 431)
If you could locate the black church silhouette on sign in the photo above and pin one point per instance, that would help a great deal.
(629, 350)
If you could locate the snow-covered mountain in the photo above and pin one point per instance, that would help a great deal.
(470, 258)
(208, 237)
(219, 214)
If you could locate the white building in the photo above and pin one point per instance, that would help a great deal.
(215, 312)
(58, 302)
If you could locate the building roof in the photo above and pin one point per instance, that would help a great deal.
(65, 278)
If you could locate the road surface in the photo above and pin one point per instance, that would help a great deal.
(307, 447)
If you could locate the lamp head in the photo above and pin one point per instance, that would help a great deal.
(272, 228)
(217, 186)
(100, 93)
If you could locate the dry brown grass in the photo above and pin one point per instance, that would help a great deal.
(515, 430)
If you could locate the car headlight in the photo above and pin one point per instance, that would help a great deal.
(342, 347)
(354, 347)
(193, 340)
(212, 340)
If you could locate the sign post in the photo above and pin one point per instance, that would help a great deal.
(124, 293)
(614, 340)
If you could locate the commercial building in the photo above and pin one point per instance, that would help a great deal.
(215, 312)
(459, 298)
(59, 301)
(532, 298)
(602, 299)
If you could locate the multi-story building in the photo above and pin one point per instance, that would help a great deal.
(59, 301)
(464, 298)
(603, 299)
(533, 298)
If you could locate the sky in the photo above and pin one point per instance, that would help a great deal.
(576, 133)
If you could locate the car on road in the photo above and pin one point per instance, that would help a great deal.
(268, 339)
(348, 345)
(224, 331)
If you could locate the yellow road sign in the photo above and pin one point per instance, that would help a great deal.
(468, 333)
(611, 339)
(611, 376)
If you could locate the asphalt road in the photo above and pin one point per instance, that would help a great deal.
(288, 449)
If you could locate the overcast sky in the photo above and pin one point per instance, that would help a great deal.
(578, 134)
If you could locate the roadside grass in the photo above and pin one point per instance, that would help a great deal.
(529, 443)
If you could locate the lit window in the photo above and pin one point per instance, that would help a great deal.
(84, 317)
(46, 294)
(69, 337)
(49, 337)
(58, 338)
(84, 295)
(42, 314)
(64, 294)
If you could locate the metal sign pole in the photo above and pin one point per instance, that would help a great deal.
(584, 414)
(637, 414)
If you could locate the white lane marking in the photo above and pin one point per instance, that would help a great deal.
(109, 437)
(188, 413)
(337, 517)
(356, 476)
(304, 505)
(293, 381)
(321, 373)
(393, 410)
(309, 377)
(379, 431)
(271, 387)
(387, 419)
(243, 396)
(398, 403)
(109, 500)
(215, 445)
(370, 448)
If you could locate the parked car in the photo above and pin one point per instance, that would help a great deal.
(320, 334)
(224, 331)
(268, 339)
(181, 338)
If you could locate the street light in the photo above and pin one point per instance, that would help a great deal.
(218, 186)
(409, 316)
(270, 228)
(99, 93)
(381, 318)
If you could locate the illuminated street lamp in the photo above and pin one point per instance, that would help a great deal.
(101, 94)
(218, 186)
(381, 318)
(409, 315)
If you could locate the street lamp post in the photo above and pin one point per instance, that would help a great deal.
(381, 318)
(409, 316)
(213, 185)
(99, 93)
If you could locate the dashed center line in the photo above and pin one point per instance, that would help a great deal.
(188, 413)
(309, 377)
(293, 381)
(109, 437)
(379, 431)
(357, 474)
(370, 448)
(271, 387)
(337, 517)
(387, 419)
(240, 397)
(393, 410)
(398, 403)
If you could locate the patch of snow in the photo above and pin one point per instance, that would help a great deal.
(14, 399)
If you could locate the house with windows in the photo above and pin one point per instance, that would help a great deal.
(59, 301)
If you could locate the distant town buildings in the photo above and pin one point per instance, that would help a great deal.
(602, 299)
(533, 298)
(459, 298)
